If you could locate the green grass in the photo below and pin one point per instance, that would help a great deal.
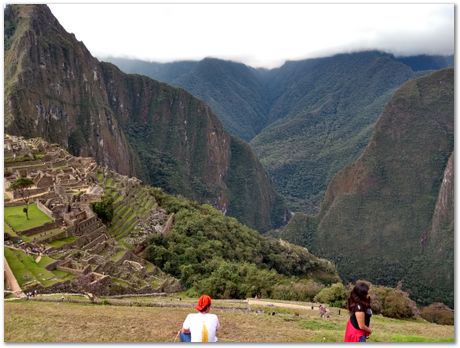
(30, 321)
(120, 282)
(26, 270)
(412, 338)
(118, 255)
(16, 218)
(321, 325)
(61, 242)
(9, 230)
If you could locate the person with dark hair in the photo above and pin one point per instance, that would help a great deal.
(201, 326)
(359, 306)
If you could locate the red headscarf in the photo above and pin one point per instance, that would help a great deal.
(203, 301)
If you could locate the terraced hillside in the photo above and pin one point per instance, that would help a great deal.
(153, 242)
(129, 209)
(62, 245)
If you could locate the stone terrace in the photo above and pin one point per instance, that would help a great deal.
(64, 187)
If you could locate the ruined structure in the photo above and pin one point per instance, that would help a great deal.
(64, 189)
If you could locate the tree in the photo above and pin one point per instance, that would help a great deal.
(334, 295)
(21, 186)
(104, 209)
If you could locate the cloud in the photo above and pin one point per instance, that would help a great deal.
(262, 35)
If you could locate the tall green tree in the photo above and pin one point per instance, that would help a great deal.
(21, 186)
(104, 209)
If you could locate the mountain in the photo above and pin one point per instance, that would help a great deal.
(425, 62)
(232, 90)
(306, 119)
(388, 217)
(55, 88)
(324, 111)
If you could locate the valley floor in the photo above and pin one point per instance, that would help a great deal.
(35, 321)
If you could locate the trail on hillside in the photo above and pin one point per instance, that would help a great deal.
(268, 303)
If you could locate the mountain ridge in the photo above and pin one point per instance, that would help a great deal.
(55, 88)
(338, 98)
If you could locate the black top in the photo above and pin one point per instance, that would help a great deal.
(367, 317)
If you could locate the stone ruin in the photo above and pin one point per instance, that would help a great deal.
(64, 187)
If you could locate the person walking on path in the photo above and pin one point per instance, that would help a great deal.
(359, 306)
(201, 326)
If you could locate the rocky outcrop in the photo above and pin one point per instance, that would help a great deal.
(55, 88)
(443, 216)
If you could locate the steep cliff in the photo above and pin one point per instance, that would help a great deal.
(388, 217)
(54, 88)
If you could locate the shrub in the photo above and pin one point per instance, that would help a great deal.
(393, 303)
(236, 280)
(398, 305)
(438, 313)
(334, 295)
(297, 291)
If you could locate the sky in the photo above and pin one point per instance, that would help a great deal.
(259, 35)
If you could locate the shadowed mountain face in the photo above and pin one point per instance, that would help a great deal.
(306, 119)
(54, 88)
(234, 91)
(388, 217)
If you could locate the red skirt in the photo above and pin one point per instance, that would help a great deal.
(352, 334)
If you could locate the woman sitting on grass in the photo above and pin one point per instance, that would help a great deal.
(201, 326)
(359, 305)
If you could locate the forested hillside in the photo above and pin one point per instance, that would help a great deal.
(306, 119)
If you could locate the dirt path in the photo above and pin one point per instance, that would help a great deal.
(11, 281)
(253, 302)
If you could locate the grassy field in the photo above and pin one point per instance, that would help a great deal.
(16, 218)
(29, 321)
(64, 241)
(26, 270)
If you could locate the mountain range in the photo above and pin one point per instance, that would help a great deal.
(306, 119)
(362, 141)
(55, 88)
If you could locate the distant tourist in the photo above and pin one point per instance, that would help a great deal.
(322, 311)
(201, 326)
(359, 306)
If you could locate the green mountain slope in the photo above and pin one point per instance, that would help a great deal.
(376, 220)
(328, 117)
(56, 89)
(232, 90)
(306, 119)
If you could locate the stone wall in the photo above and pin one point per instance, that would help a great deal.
(44, 209)
(32, 192)
(22, 163)
(95, 241)
(39, 229)
(13, 204)
(74, 271)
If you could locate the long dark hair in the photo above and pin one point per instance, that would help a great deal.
(359, 296)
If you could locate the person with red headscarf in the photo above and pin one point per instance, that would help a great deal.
(201, 326)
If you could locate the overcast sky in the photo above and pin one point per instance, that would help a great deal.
(260, 35)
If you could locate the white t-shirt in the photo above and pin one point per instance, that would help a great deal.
(202, 325)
